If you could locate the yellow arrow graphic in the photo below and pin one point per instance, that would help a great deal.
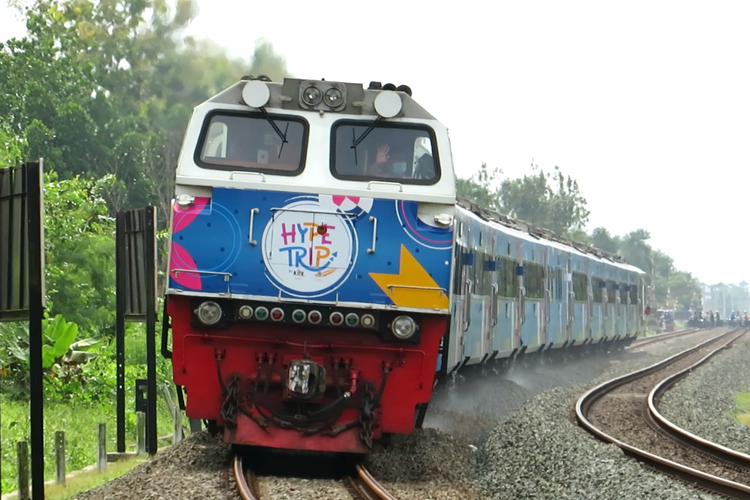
(412, 286)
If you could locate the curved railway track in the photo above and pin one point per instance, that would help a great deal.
(361, 486)
(625, 409)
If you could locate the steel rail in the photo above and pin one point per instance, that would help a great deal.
(715, 449)
(367, 486)
(694, 476)
(662, 336)
(241, 477)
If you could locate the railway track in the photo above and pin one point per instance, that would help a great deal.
(662, 336)
(624, 411)
(361, 486)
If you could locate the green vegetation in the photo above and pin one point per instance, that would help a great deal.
(555, 202)
(743, 408)
(103, 91)
(100, 88)
(77, 398)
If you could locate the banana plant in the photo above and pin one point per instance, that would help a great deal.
(59, 338)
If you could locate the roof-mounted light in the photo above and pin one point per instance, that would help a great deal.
(256, 94)
(388, 104)
(322, 96)
(312, 96)
(333, 97)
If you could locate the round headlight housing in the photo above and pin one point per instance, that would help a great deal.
(312, 96)
(209, 313)
(333, 97)
(403, 327)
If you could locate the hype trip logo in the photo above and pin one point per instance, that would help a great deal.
(308, 249)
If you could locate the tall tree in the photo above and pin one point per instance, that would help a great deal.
(636, 250)
(603, 240)
(552, 201)
(481, 187)
(267, 62)
(683, 289)
(100, 87)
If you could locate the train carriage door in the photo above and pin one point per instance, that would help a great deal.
(618, 315)
(521, 297)
(477, 293)
(570, 297)
(641, 303)
(589, 326)
(493, 307)
(628, 320)
(502, 334)
(544, 316)
(468, 277)
(461, 297)
(605, 298)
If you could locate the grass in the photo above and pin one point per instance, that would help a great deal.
(89, 479)
(743, 407)
(79, 421)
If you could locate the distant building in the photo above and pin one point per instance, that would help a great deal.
(726, 298)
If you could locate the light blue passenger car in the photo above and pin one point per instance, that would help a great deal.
(517, 289)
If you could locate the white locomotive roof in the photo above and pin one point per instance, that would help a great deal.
(360, 101)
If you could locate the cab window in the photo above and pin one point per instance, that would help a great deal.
(386, 152)
(248, 141)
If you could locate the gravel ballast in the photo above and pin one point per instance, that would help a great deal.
(704, 402)
(494, 438)
(197, 467)
(539, 452)
(427, 465)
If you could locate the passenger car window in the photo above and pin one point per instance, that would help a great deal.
(247, 141)
(388, 152)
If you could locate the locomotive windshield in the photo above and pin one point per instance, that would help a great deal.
(388, 152)
(249, 141)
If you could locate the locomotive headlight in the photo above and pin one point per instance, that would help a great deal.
(333, 97)
(403, 327)
(312, 96)
(209, 313)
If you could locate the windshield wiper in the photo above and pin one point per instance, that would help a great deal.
(355, 141)
(282, 135)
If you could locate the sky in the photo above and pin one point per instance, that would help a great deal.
(646, 104)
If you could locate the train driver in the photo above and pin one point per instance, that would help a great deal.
(390, 164)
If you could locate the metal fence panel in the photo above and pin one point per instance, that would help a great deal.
(136, 301)
(14, 238)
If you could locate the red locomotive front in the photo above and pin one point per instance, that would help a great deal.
(280, 384)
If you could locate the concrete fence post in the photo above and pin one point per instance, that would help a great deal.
(101, 456)
(22, 456)
(177, 415)
(140, 433)
(60, 457)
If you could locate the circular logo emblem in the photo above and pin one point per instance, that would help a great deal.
(308, 250)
